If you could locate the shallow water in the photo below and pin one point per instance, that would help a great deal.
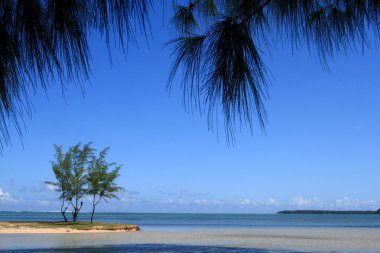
(198, 240)
(158, 248)
(169, 233)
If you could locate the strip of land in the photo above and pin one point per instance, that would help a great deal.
(326, 212)
(14, 227)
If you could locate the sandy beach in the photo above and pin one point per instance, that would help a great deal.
(60, 227)
(54, 231)
(294, 239)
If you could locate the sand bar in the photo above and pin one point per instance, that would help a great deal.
(62, 227)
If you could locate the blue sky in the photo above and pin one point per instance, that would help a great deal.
(321, 147)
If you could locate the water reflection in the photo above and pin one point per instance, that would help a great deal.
(156, 248)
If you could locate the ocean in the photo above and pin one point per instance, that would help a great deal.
(205, 221)
(190, 232)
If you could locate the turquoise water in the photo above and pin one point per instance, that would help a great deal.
(189, 221)
(156, 222)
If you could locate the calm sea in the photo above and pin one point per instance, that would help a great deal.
(164, 221)
(194, 220)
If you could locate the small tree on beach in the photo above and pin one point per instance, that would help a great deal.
(78, 176)
(62, 171)
(80, 172)
(101, 181)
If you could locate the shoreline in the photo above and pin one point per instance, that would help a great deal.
(35, 227)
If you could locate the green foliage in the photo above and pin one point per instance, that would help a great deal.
(80, 157)
(63, 174)
(101, 181)
(218, 45)
(80, 172)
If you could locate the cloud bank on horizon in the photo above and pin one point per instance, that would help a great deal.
(46, 199)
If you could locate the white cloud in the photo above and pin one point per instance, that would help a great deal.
(183, 192)
(43, 202)
(131, 196)
(180, 201)
(272, 202)
(51, 187)
(201, 202)
(341, 203)
(245, 202)
(168, 201)
(196, 202)
(258, 202)
(354, 203)
(207, 202)
(302, 202)
(6, 198)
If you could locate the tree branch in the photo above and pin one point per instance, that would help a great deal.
(259, 9)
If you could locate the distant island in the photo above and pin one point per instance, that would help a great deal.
(326, 212)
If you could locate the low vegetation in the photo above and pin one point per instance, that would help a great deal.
(84, 226)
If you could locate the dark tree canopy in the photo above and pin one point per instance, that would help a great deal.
(42, 41)
(217, 49)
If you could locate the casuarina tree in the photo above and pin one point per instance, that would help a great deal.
(217, 45)
(78, 178)
(82, 172)
(62, 171)
(101, 180)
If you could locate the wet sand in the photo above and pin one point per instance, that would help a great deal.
(295, 239)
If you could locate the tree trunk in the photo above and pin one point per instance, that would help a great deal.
(93, 208)
(75, 215)
(94, 203)
(92, 214)
(63, 211)
(64, 215)
(76, 209)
